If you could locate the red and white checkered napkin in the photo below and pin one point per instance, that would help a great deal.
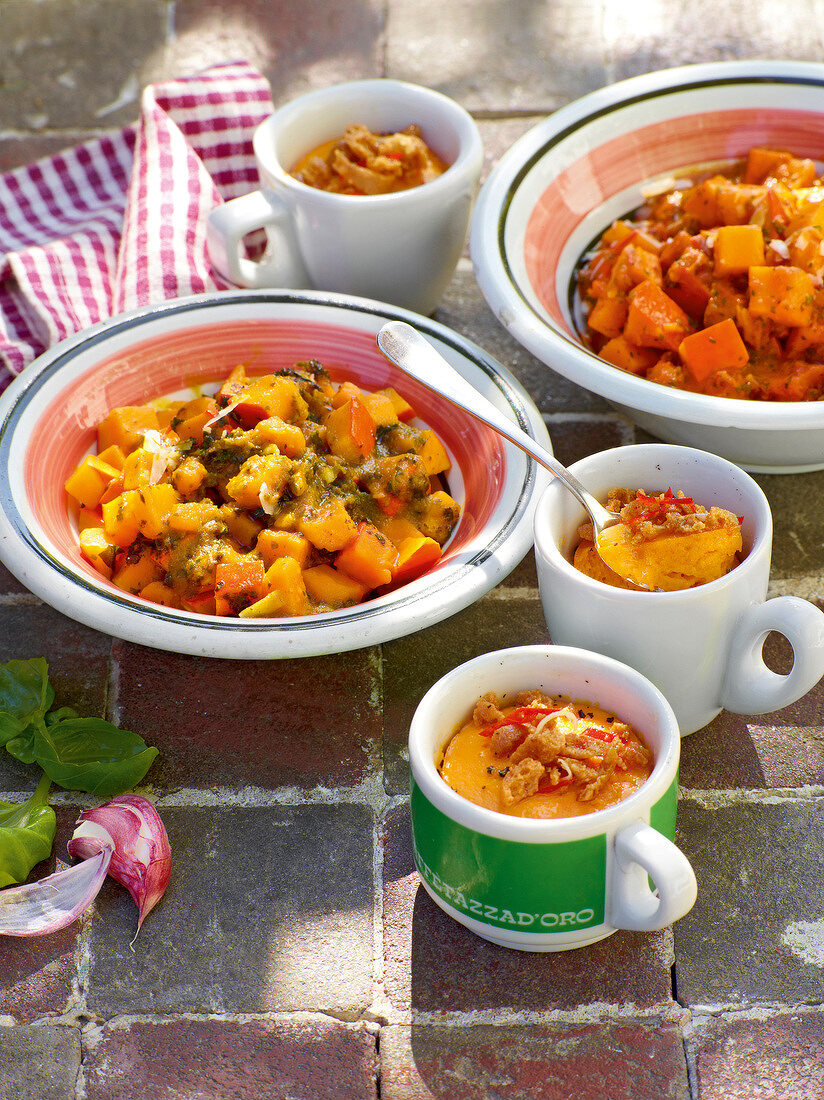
(120, 222)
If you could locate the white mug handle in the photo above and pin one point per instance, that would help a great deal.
(642, 851)
(230, 222)
(752, 688)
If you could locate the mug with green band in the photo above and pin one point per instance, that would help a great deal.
(549, 885)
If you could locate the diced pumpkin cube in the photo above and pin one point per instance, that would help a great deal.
(239, 582)
(243, 527)
(133, 576)
(113, 456)
(370, 557)
(125, 427)
(628, 356)
(288, 438)
(285, 576)
(762, 162)
(270, 395)
(90, 480)
(112, 490)
(269, 606)
(654, 320)
(632, 266)
(415, 556)
(283, 544)
(433, 453)
(328, 526)
(190, 515)
(737, 249)
(260, 480)
(227, 394)
(381, 409)
(350, 431)
(89, 517)
(158, 592)
(398, 528)
(403, 409)
(331, 588)
(139, 511)
(189, 476)
(96, 547)
(137, 469)
(345, 392)
(608, 316)
(437, 517)
(716, 348)
(191, 418)
(119, 519)
(782, 294)
(203, 603)
(153, 507)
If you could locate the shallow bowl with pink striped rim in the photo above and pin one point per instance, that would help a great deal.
(47, 424)
(556, 190)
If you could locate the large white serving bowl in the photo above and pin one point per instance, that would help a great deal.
(49, 414)
(559, 187)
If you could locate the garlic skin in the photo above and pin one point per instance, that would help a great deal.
(142, 857)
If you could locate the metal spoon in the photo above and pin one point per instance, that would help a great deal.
(404, 346)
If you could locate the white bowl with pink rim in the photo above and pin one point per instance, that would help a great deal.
(563, 183)
(48, 419)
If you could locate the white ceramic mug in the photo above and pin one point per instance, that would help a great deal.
(549, 885)
(400, 248)
(702, 646)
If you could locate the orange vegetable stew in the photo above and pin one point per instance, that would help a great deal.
(279, 495)
(543, 756)
(716, 284)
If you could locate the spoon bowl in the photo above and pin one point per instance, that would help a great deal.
(404, 346)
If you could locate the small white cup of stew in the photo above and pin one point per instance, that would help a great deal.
(701, 646)
(399, 246)
(511, 869)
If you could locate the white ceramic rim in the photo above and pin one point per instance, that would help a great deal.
(466, 163)
(756, 530)
(567, 662)
(568, 357)
(490, 556)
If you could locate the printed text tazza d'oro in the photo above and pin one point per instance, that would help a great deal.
(494, 914)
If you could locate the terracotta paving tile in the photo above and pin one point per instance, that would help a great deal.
(39, 1063)
(773, 1057)
(464, 309)
(293, 723)
(8, 582)
(77, 63)
(514, 54)
(37, 973)
(433, 964)
(782, 749)
(268, 909)
(311, 1057)
(620, 1060)
(298, 47)
(743, 941)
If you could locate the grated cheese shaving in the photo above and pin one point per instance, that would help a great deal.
(268, 500)
(221, 414)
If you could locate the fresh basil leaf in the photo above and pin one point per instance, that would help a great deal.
(92, 755)
(25, 695)
(59, 714)
(22, 746)
(26, 834)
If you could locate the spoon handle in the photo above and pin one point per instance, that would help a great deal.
(406, 348)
